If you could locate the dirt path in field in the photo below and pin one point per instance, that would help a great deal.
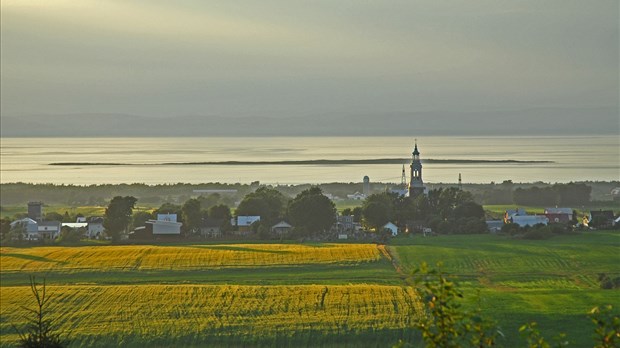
(392, 256)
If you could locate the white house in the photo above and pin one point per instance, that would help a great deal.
(357, 196)
(166, 225)
(392, 228)
(529, 220)
(30, 226)
(281, 228)
(95, 227)
(49, 229)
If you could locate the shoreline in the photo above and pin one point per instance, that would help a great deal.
(304, 162)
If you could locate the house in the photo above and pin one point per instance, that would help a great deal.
(345, 223)
(559, 215)
(49, 229)
(601, 218)
(281, 228)
(244, 223)
(529, 220)
(95, 227)
(495, 226)
(211, 228)
(30, 228)
(401, 192)
(392, 228)
(166, 225)
(357, 196)
(513, 212)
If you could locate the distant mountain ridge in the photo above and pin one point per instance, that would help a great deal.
(533, 121)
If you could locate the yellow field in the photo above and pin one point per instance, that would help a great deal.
(148, 257)
(185, 315)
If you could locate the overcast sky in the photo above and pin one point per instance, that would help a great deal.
(282, 58)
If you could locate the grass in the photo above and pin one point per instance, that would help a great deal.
(553, 282)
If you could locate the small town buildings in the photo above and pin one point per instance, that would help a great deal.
(35, 211)
(345, 223)
(513, 212)
(95, 227)
(244, 223)
(30, 228)
(495, 226)
(166, 225)
(601, 218)
(357, 196)
(559, 215)
(211, 228)
(529, 220)
(392, 228)
(282, 228)
(49, 229)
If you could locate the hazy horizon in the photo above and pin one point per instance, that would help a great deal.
(195, 68)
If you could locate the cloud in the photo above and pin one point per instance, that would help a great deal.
(272, 58)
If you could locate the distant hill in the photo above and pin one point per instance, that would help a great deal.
(534, 121)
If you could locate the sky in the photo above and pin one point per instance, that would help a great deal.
(468, 61)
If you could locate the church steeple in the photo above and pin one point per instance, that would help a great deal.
(416, 185)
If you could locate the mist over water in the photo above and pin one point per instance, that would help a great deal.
(572, 159)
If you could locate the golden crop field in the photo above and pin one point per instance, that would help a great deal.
(194, 315)
(150, 257)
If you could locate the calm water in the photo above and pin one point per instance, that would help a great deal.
(575, 158)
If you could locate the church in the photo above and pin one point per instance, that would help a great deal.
(416, 185)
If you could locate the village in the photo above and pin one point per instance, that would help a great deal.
(403, 210)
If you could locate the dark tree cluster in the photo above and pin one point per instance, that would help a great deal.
(447, 210)
(539, 231)
(570, 194)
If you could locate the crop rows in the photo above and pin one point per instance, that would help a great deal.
(228, 314)
(106, 258)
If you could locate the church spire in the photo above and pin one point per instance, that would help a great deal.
(416, 185)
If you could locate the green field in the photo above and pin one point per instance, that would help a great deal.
(305, 294)
(553, 282)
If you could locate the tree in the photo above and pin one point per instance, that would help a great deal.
(40, 330)
(376, 215)
(469, 209)
(70, 235)
(192, 217)
(265, 202)
(118, 215)
(5, 228)
(220, 211)
(140, 218)
(378, 209)
(446, 323)
(312, 211)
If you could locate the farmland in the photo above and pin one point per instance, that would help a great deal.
(553, 282)
(186, 315)
(306, 294)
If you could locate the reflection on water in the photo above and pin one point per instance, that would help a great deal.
(575, 158)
